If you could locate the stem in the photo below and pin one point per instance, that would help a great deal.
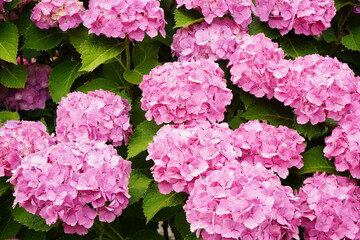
(103, 231)
(127, 50)
(121, 63)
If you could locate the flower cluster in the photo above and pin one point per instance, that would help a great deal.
(215, 41)
(240, 10)
(34, 94)
(253, 64)
(63, 13)
(129, 17)
(182, 153)
(188, 90)
(305, 17)
(317, 87)
(98, 115)
(276, 148)
(73, 182)
(19, 139)
(344, 145)
(242, 201)
(330, 206)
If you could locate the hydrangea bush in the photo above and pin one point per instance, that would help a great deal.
(177, 119)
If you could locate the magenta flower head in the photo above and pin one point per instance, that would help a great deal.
(277, 148)
(188, 90)
(240, 10)
(63, 13)
(330, 206)
(19, 139)
(314, 16)
(254, 63)
(202, 40)
(98, 115)
(344, 145)
(242, 201)
(182, 153)
(36, 91)
(74, 183)
(128, 17)
(317, 87)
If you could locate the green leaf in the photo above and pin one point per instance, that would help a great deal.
(101, 83)
(135, 76)
(97, 50)
(154, 201)
(310, 131)
(146, 234)
(191, 236)
(143, 52)
(78, 36)
(10, 229)
(29, 234)
(7, 115)
(297, 47)
(270, 110)
(141, 137)
(23, 23)
(138, 185)
(114, 72)
(247, 98)
(185, 17)
(256, 26)
(61, 79)
(352, 40)
(42, 39)
(31, 221)
(8, 41)
(181, 224)
(340, 4)
(328, 35)
(235, 122)
(14, 77)
(3, 185)
(11, 5)
(314, 161)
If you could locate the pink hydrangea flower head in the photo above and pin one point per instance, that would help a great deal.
(277, 148)
(202, 40)
(63, 13)
(242, 201)
(211, 9)
(19, 139)
(187, 90)
(184, 152)
(278, 14)
(314, 16)
(253, 64)
(36, 91)
(329, 206)
(73, 183)
(98, 115)
(344, 145)
(2, 4)
(119, 19)
(317, 87)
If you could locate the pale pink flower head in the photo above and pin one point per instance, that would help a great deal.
(118, 19)
(34, 94)
(344, 145)
(98, 115)
(329, 206)
(184, 152)
(63, 13)
(202, 40)
(317, 87)
(73, 183)
(187, 90)
(242, 201)
(279, 14)
(314, 16)
(19, 139)
(277, 148)
(240, 10)
(253, 64)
